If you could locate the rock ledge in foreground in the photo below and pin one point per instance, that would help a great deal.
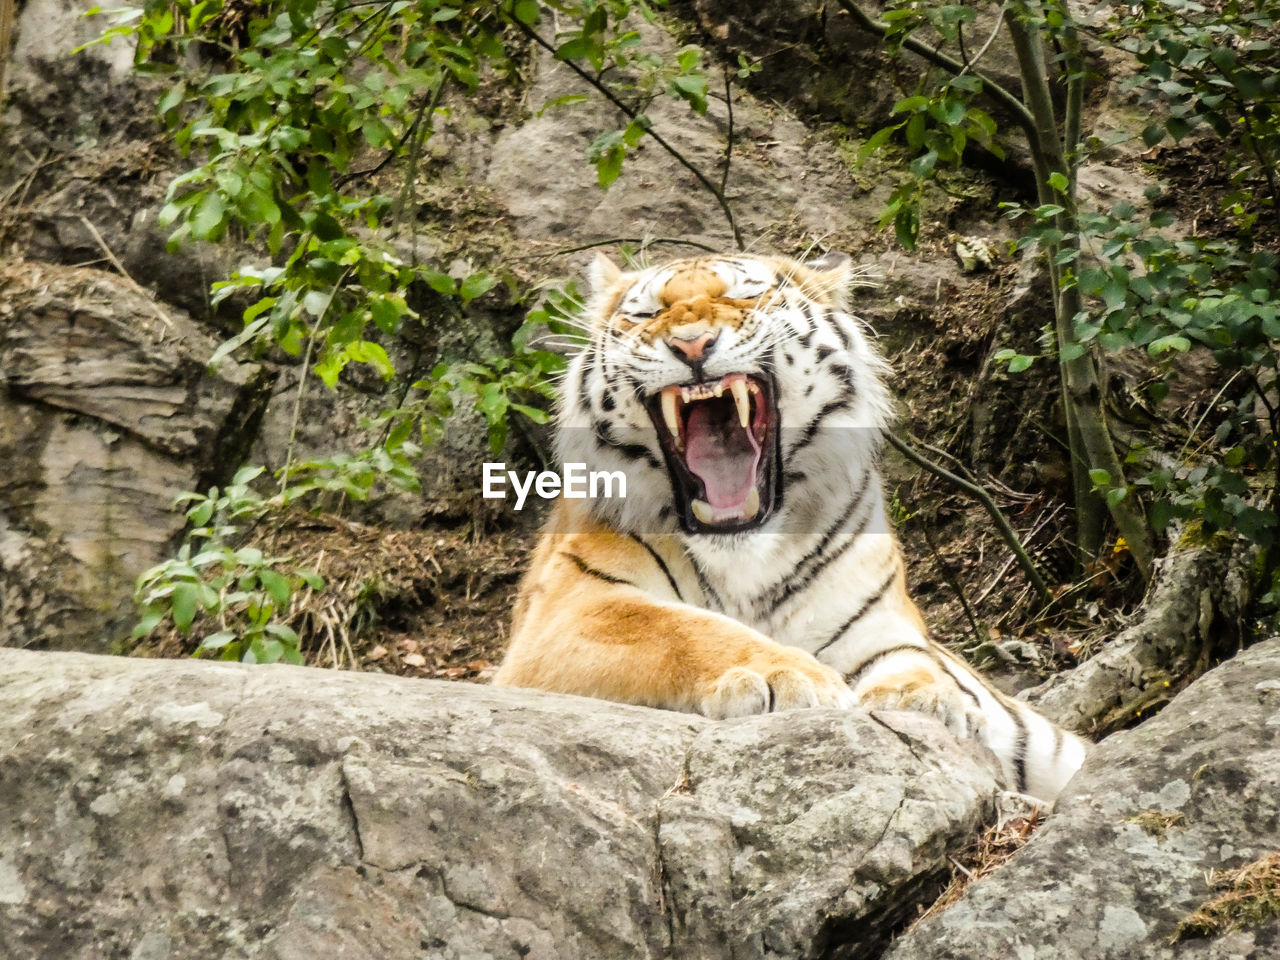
(181, 809)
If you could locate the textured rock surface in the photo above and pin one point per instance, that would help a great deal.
(787, 185)
(1124, 858)
(1194, 611)
(107, 411)
(153, 809)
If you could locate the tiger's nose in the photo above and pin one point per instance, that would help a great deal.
(696, 349)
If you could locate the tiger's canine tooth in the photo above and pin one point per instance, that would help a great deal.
(752, 505)
(743, 402)
(670, 412)
(702, 510)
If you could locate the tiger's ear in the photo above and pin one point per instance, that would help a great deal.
(602, 274)
(829, 278)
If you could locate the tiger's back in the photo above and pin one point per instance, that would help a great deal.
(750, 566)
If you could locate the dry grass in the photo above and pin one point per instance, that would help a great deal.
(987, 854)
(1250, 894)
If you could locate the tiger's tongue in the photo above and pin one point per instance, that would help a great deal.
(721, 453)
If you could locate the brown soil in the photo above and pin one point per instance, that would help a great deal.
(1199, 171)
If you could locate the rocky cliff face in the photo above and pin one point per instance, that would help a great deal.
(108, 412)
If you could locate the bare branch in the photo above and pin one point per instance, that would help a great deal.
(1007, 533)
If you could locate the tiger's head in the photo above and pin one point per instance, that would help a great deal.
(728, 374)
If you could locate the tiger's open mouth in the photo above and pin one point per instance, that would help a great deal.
(720, 440)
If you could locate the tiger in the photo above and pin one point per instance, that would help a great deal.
(751, 567)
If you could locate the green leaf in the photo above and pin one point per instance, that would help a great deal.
(609, 165)
(207, 219)
(492, 401)
(374, 354)
(1177, 128)
(186, 601)
(216, 641)
(923, 165)
(1100, 478)
(1153, 134)
(948, 112)
(1020, 362)
(199, 515)
(533, 413)
(276, 585)
(1115, 495)
(249, 556)
(906, 224)
(1059, 182)
(312, 579)
(1172, 342)
(284, 632)
(386, 314)
(910, 105)
(441, 283)
(149, 621)
(477, 284)
(526, 11)
(635, 130)
(692, 87)
(172, 98)
(566, 100)
(875, 142)
(1071, 351)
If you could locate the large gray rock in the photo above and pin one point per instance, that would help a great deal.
(166, 809)
(788, 187)
(1124, 858)
(107, 412)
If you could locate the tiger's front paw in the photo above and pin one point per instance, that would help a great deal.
(743, 691)
(925, 690)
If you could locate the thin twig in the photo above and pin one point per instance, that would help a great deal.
(416, 139)
(631, 114)
(137, 287)
(970, 64)
(24, 182)
(302, 383)
(1002, 525)
(8, 13)
(995, 581)
(643, 241)
(1207, 410)
(949, 577)
(728, 137)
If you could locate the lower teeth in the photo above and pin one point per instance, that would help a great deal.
(706, 513)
